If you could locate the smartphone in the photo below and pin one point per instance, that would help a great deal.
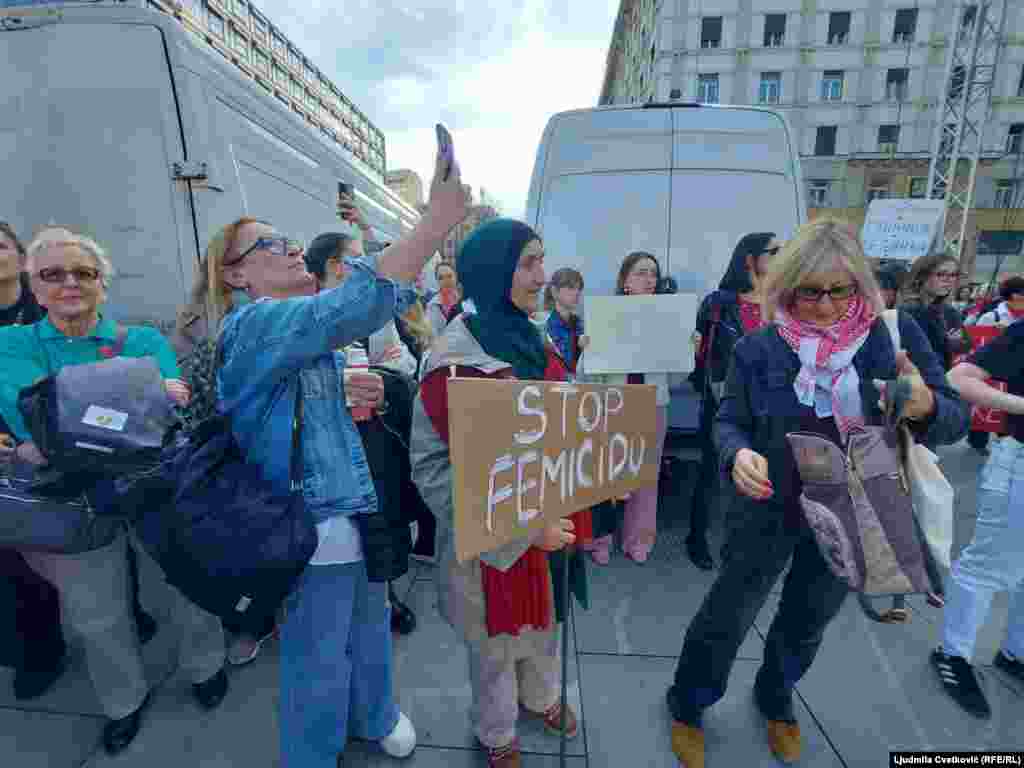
(444, 143)
(345, 192)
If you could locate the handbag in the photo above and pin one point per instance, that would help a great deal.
(932, 494)
(40, 513)
(103, 417)
(227, 539)
(859, 510)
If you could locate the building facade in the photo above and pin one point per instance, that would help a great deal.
(860, 82)
(242, 34)
(407, 185)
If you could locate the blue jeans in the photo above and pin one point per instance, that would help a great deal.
(994, 560)
(335, 665)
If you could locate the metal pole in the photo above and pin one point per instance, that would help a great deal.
(567, 603)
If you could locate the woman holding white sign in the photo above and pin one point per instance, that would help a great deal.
(812, 368)
(639, 275)
(502, 603)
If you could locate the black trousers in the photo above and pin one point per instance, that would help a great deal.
(759, 549)
(32, 638)
(704, 492)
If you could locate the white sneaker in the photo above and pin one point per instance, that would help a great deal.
(402, 740)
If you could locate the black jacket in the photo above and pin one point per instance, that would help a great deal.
(760, 406)
(936, 322)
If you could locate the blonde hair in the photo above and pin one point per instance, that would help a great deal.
(818, 246)
(54, 236)
(417, 324)
(211, 295)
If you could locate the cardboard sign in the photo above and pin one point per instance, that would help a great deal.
(639, 334)
(526, 453)
(985, 419)
(901, 229)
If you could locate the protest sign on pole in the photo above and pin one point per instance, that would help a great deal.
(526, 453)
(639, 334)
(901, 230)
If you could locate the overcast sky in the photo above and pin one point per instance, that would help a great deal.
(493, 72)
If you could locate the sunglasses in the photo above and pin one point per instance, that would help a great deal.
(813, 294)
(59, 275)
(278, 246)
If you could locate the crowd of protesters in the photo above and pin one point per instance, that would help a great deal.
(791, 341)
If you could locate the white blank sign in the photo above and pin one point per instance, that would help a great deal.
(639, 334)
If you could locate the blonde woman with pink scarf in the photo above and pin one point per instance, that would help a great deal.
(812, 368)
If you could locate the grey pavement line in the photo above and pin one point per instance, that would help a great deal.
(579, 685)
(53, 712)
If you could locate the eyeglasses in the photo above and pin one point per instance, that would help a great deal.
(59, 275)
(946, 275)
(771, 251)
(813, 294)
(278, 246)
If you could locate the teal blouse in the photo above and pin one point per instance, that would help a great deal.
(27, 353)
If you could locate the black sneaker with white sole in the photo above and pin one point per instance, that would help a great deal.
(1013, 667)
(961, 682)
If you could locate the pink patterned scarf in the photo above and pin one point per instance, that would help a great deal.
(828, 380)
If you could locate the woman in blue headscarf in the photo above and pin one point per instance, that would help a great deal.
(502, 603)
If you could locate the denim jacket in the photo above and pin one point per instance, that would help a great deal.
(265, 344)
(565, 337)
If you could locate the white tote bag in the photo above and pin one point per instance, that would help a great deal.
(932, 495)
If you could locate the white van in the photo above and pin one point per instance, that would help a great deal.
(681, 181)
(110, 116)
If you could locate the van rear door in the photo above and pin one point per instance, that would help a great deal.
(734, 171)
(89, 131)
(605, 191)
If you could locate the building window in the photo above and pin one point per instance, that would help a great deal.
(770, 91)
(919, 187)
(277, 44)
(293, 58)
(1013, 139)
(896, 84)
(906, 25)
(838, 27)
(280, 76)
(238, 41)
(711, 32)
(261, 60)
(310, 74)
(818, 193)
(878, 190)
(888, 139)
(1006, 193)
(295, 88)
(216, 24)
(825, 141)
(967, 20)
(707, 89)
(832, 85)
(1020, 84)
(774, 30)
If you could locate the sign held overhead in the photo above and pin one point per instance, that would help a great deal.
(901, 230)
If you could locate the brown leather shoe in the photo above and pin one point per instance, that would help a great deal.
(553, 720)
(784, 740)
(688, 744)
(504, 757)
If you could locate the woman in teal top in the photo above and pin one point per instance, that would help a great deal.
(69, 276)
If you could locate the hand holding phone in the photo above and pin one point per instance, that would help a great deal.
(445, 144)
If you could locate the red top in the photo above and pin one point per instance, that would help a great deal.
(519, 598)
(750, 315)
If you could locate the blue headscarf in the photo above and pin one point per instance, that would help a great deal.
(486, 265)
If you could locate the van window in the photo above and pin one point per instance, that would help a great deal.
(704, 232)
(604, 213)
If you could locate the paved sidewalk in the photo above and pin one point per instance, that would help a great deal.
(871, 689)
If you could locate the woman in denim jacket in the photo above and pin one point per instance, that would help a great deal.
(336, 641)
